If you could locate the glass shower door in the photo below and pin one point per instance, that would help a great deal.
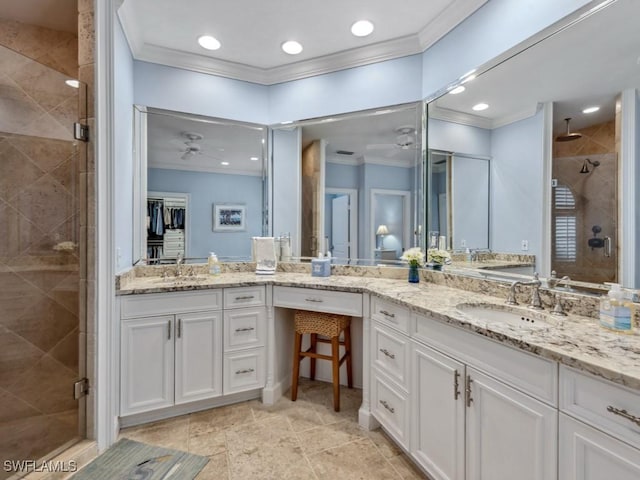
(41, 324)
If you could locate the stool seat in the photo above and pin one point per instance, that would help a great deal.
(329, 325)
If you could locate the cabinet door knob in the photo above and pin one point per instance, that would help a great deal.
(468, 390)
(179, 327)
(386, 405)
(169, 330)
(456, 385)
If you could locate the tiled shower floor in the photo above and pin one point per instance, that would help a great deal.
(305, 439)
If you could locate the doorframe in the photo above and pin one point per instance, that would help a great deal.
(353, 217)
(406, 216)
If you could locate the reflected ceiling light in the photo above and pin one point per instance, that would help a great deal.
(73, 83)
(254, 159)
(590, 109)
(468, 79)
(291, 47)
(224, 163)
(362, 28)
(208, 42)
(457, 90)
(480, 107)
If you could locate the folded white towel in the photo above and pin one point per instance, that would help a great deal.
(263, 251)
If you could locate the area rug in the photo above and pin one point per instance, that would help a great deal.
(129, 460)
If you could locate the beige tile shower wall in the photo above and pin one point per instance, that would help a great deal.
(596, 198)
(53, 48)
(86, 67)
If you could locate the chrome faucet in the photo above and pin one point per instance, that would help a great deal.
(536, 302)
(553, 281)
(179, 263)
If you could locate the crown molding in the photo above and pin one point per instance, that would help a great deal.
(203, 169)
(459, 117)
(371, 160)
(448, 19)
(516, 116)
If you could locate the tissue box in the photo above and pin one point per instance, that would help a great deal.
(321, 267)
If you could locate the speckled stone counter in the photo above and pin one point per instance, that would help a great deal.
(576, 340)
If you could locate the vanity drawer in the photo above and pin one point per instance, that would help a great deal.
(244, 370)
(166, 303)
(599, 403)
(244, 297)
(344, 303)
(390, 406)
(244, 328)
(526, 372)
(390, 352)
(390, 314)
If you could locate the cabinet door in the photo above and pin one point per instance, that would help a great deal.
(509, 434)
(146, 368)
(587, 453)
(438, 409)
(198, 373)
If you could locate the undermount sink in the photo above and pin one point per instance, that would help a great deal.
(505, 315)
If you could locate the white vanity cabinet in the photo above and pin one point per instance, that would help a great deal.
(171, 353)
(469, 424)
(599, 428)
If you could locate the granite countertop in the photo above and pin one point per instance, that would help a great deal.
(575, 340)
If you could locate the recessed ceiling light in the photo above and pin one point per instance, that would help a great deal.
(291, 47)
(590, 109)
(457, 90)
(73, 83)
(480, 106)
(209, 42)
(362, 28)
(224, 163)
(254, 159)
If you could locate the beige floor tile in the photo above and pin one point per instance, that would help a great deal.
(384, 443)
(216, 469)
(357, 460)
(172, 433)
(219, 419)
(208, 444)
(406, 468)
(330, 436)
(301, 414)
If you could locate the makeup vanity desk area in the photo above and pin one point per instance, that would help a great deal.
(433, 378)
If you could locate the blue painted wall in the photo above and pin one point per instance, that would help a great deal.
(207, 189)
(123, 154)
(455, 137)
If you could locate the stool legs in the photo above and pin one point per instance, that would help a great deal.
(347, 347)
(314, 349)
(297, 346)
(335, 353)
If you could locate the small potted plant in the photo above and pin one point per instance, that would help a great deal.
(415, 258)
(436, 258)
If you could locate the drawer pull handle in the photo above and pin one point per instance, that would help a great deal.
(169, 330)
(387, 353)
(245, 329)
(467, 390)
(245, 297)
(179, 328)
(388, 314)
(386, 405)
(624, 414)
(456, 385)
(246, 370)
(314, 300)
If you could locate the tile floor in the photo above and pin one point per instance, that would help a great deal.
(305, 439)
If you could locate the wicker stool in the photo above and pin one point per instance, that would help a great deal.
(328, 325)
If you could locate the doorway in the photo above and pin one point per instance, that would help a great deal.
(341, 222)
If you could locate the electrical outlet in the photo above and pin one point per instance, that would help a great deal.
(463, 243)
(525, 245)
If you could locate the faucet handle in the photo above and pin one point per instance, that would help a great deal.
(557, 308)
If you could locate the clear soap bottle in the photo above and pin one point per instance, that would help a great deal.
(214, 264)
(615, 313)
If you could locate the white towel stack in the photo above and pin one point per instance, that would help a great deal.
(264, 254)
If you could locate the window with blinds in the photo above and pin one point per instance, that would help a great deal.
(565, 225)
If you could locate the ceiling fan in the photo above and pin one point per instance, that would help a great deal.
(405, 140)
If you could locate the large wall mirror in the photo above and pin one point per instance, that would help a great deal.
(550, 138)
(201, 186)
(360, 183)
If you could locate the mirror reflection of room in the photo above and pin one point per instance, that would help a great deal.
(197, 169)
(359, 172)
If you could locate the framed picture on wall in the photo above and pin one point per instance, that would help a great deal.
(229, 217)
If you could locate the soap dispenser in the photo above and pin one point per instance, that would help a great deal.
(615, 313)
(214, 264)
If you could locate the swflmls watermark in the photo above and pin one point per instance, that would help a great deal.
(48, 466)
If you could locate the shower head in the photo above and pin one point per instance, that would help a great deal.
(587, 162)
(567, 137)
